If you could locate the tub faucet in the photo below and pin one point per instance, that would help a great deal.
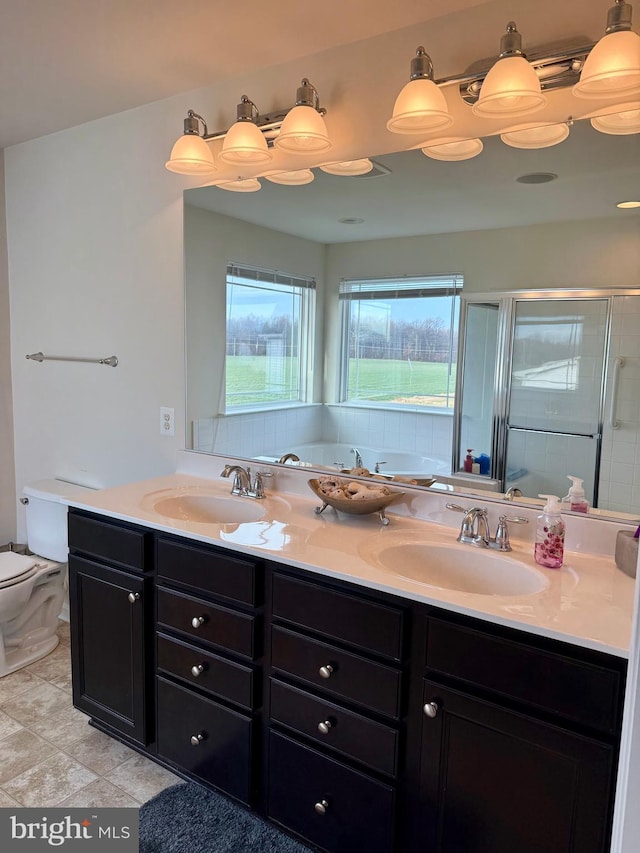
(288, 457)
(512, 493)
(358, 458)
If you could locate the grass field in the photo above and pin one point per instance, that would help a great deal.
(370, 380)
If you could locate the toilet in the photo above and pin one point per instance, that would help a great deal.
(32, 588)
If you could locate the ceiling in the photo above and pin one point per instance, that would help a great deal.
(66, 62)
(425, 196)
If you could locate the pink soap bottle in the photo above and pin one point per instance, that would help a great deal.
(549, 547)
(576, 498)
(468, 462)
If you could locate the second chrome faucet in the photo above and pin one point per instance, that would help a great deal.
(474, 529)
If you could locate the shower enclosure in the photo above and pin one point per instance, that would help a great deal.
(547, 389)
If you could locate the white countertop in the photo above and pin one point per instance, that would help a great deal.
(588, 602)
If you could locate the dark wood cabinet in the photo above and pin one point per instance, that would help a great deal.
(495, 781)
(110, 625)
(355, 719)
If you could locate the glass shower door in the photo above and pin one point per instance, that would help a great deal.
(554, 419)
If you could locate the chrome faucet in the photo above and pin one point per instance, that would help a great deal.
(242, 484)
(358, 458)
(241, 478)
(512, 493)
(288, 457)
(475, 528)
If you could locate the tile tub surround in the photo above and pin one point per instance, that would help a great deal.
(50, 756)
(589, 602)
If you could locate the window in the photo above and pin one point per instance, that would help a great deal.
(399, 341)
(269, 331)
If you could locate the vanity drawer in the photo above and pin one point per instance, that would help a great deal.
(351, 677)
(368, 625)
(114, 543)
(551, 682)
(358, 811)
(222, 751)
(213, 673)
(365, 741)
(211, 571)
(221, 626)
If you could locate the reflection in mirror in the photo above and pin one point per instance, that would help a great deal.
(416, 217)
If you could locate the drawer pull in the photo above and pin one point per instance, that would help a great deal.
(197, 621)
(321, 807)
(431, 709)
(197, 670)
(196, 740)
(325, 727)
(133, 597)
(325, 671)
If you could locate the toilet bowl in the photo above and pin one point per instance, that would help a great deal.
(32, 588)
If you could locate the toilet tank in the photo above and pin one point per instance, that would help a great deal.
(46, 517)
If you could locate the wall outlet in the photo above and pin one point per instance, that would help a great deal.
(167, 421)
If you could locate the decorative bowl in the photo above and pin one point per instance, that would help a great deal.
(354, 507)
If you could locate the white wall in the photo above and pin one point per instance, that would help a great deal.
(7, 469)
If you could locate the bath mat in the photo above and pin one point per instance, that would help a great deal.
(187, 818)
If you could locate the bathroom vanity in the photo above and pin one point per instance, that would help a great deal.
(356, 718)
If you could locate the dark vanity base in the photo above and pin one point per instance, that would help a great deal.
(354, 720)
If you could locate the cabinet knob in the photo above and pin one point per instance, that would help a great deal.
(431, 709)
(133, 597)
(197, 621)
(321, 807)
(325, 727)
(325, 671)
(196, 740)
(197, 670)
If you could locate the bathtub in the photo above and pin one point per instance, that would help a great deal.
(396, 463)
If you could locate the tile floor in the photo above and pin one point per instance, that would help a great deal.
(50, 756)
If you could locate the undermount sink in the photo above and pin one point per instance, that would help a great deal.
(457, 567)
(204, 505)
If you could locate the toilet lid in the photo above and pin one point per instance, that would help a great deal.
(14, 567)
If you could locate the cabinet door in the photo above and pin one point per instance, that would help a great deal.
(495, 781)
(107, 611)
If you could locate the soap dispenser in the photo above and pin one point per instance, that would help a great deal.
(576, 499)
(549, 547)
(468, 462)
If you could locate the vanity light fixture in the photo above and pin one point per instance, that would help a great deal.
(244, 143)
(452, 148)
(612, 68)
(628, 205)
(420, 106)
(241, 185)
(625, 120)
(296, 178)
(303, 130)
(191, 155)
(535, 135)
(349, 167)
(299, 129)
(512, 87)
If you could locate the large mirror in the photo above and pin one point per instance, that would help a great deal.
(495, 224)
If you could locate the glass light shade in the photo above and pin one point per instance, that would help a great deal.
(246, 185)
(452, 148)
(303, 132)
(628, 205)
(348, 167)
(625, 120)
(244, 145)
(420, 106)
(296, 178)
(191, 156)
(535, 136)
(612, 69)
(511, 88)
